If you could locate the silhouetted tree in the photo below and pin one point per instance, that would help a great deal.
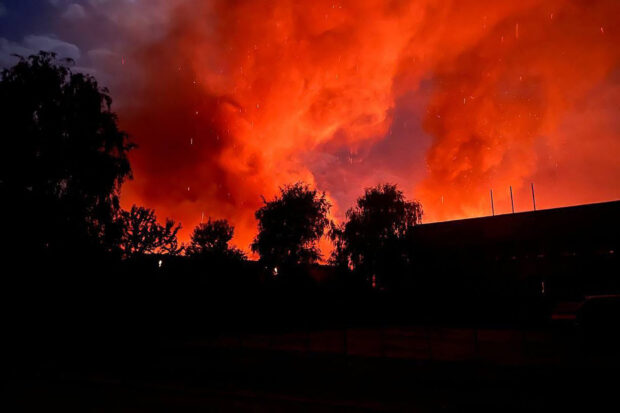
(63, 158)
(371, 241)
(142, 234)
(212, 238)
(291, 225)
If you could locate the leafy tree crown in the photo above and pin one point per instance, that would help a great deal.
(62, 149)
(290, 226)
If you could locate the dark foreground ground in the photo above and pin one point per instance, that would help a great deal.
(504, 371)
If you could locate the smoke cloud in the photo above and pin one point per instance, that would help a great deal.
(228, 100)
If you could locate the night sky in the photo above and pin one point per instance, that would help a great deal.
(228, 100)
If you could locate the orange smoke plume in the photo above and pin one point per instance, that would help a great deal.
(234, 99)
(532, 102)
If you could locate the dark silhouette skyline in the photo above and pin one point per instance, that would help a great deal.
(99, 291)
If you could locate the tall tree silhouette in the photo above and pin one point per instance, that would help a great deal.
(63, 156)
(371, 241)
(291, 225)
(212, 238)
(142, 234)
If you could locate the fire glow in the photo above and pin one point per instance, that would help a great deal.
(450, 100)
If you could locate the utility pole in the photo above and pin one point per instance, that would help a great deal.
(512, 203)
(492, 206)
(533, 196)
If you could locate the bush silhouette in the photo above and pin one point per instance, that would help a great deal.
(142, 234)
(212, 238)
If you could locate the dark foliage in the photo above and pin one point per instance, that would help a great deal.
(291, 225)
(212, 238)
(372, 240)
(142, 234)
(68, 298)
(63, 157)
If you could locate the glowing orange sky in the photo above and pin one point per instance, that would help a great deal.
(447, 99)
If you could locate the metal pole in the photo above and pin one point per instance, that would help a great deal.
(533, 196)
(512, 203)
(492, 206)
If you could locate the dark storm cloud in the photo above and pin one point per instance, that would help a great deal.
(28, 26)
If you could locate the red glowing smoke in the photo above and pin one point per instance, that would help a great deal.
(233, 99)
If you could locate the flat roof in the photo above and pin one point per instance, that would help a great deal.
(580, 223)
